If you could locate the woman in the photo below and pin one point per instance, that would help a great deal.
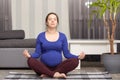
(49, 47)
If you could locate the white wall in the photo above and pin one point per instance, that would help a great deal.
(29, 15)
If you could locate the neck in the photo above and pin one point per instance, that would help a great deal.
(52, 31)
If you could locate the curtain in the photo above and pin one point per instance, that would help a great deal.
(79, 13)
(29, 15)
(5, 15)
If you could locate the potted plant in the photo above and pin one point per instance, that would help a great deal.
(108, 11)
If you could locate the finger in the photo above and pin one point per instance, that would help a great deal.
(26, 50)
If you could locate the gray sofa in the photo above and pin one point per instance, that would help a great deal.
(12, 44)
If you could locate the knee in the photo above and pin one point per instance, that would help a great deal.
(75, 61)
(30, 61)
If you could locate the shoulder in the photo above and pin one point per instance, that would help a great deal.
(62, 34)
(40, 35)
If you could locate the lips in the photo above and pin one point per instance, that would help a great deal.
(52, 24)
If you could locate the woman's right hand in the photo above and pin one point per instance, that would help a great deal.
(26, 53)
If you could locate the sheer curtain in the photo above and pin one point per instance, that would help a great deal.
(29, 15)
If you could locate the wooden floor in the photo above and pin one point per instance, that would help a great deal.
(86, 67)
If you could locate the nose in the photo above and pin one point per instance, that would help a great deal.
(52, 20)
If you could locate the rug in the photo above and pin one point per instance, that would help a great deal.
(75, 76)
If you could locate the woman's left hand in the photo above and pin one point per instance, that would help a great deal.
(81, 56)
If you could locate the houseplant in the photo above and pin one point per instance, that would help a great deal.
(108, 11)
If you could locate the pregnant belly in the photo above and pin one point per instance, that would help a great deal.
(51, 58)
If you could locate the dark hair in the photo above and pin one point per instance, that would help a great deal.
(50, 14)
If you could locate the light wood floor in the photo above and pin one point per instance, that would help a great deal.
(93, 66)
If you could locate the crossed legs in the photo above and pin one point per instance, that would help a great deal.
(60, 70)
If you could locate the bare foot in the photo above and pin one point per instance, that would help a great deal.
(43, 76)
(63, 75)
(59, 75)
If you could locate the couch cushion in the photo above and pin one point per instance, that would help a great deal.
(12, 34)
(18, 43)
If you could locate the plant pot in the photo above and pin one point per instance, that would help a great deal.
(111, 62)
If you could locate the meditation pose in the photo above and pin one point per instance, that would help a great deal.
(50, 45)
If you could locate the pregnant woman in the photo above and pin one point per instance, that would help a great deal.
(50, 45)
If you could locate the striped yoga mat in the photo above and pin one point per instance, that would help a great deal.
(75, 76)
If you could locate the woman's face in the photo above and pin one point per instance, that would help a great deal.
(52, 21)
